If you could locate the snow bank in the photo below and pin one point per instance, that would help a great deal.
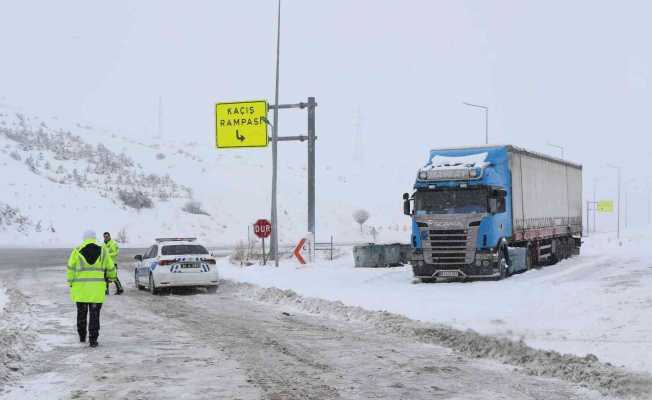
(599, 303)
(3, 298)
(16, 337)
(587, 371)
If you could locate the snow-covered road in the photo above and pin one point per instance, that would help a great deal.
(227, 346)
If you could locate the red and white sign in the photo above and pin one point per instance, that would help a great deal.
(297, 251)
(263, 228)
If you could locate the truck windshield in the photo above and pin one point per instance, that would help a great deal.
(451, 201)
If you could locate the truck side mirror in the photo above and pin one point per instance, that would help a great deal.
(493, 205)
(406, 204)
(138, 258)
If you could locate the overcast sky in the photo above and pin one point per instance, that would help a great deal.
(574, 73)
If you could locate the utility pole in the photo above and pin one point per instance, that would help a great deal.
(486, 119)
(626, 208)
(274, 241)
(617, 168)
(595, 200)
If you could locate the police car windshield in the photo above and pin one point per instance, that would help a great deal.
(183, 249)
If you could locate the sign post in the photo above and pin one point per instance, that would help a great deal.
(238, 125)
(262, 229)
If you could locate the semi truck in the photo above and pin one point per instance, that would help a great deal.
(486, 212)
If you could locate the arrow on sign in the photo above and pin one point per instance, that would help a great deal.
(297, 251)
(239, 136)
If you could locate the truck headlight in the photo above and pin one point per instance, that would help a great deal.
(422, 175)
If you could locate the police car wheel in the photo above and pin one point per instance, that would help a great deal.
(152, 287)
(211, 289)
(138, 285)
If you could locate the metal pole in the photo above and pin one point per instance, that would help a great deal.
(626, 208)
(617, 168)
(311, 167)
(588, 216)
(618, 203)
(595, 184)
(274, 241)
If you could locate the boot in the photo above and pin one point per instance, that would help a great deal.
(82, 339)
(118, 287)
(93, 343)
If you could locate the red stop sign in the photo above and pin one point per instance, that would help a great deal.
(263, 228)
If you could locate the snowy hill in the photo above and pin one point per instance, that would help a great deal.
(62, 178)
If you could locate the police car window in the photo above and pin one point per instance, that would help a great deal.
(181, 249)
(151, 253)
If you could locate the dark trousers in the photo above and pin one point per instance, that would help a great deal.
(93, 320)
(118, 285)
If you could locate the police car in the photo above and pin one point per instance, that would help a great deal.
(175, 262)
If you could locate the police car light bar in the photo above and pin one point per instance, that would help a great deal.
(159, 240)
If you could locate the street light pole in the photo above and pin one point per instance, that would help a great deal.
(617, 168)
(274, 241)
(486, 119)
(595, 200)
(560, 148)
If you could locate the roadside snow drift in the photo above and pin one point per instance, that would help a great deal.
(599, 303)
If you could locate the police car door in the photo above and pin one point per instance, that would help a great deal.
(143, 267)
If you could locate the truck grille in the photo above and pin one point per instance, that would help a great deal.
(448, 247)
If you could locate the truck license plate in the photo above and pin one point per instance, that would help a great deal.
(184, 266)
(449, 273)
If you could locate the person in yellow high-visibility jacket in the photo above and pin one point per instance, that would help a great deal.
(113, 250)
(87, 266)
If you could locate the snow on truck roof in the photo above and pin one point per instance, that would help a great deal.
(515, 149)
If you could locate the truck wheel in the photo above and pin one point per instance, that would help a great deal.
(502, 265)
(152, 287)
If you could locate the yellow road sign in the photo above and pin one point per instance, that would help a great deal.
(606, 206)
(241, 124)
